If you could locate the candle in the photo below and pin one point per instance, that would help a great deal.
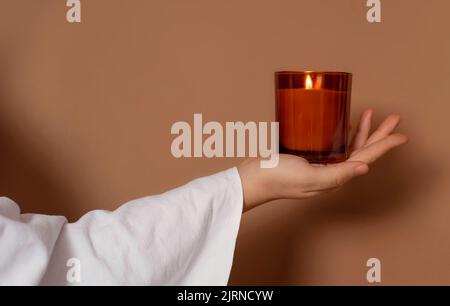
(313, 112)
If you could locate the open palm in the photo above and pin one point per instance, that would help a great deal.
(295, 178)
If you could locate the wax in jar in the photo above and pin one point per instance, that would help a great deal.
(313, 123)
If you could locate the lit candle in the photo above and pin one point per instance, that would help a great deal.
(313, 112)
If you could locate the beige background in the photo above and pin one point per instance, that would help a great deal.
(86, 110)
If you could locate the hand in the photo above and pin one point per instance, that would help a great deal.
(295, 178)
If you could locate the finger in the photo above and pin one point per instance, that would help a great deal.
(386, 128)
(363, 130)
(371, 153)
(334, 176)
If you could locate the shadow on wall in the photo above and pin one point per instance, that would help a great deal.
(25, 176)
(280, 244)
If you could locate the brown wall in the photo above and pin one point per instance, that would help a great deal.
(86, 110)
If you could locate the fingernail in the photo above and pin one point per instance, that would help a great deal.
(361, 170)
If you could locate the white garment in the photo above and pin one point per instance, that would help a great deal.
(183, 237)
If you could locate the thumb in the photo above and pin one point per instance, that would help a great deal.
(334, 176)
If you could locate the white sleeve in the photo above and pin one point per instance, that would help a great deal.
(183, 237)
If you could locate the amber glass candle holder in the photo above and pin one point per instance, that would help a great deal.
(313, 110)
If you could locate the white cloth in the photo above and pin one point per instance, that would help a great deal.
(183, 237)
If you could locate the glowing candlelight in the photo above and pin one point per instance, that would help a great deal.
(313, 111)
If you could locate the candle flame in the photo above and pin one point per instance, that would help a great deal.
(318, 84)
(308, 82)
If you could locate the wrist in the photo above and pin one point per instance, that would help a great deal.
(256, 185)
